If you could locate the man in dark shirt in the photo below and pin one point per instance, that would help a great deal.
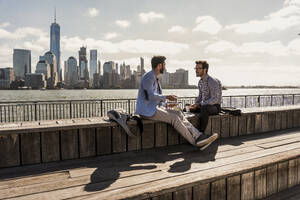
(210, 94)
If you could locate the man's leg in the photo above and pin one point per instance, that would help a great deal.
(205, 111)
(176, 120)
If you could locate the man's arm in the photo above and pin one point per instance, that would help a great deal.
(148, 83)
(215, 90)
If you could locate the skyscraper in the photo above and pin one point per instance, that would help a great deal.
(21, 63)
(83, 64)
(55, 42)
(93, 62)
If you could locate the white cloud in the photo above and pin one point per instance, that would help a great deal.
(33, 46)
(274, 48)
(150, 16)
(207, 24)
(285, 18)
(93, 12)
(202, 42)
(22, 33)
(177, 29)
(4, 25)
(109, 36)
(123, 23)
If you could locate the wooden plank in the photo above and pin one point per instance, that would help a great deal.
(87, 142)
(250, 124)
(258, 123)
(118, 140)
(290, 119)
(260, 183)
(296, 118)
(292, 176)
(225, 124)
(215, 124)
(134, 143)
(234, 188)
(183, 194)
(161, 134)
(283, 120)
(50, 146)
(242, 125)
(201, 192)
(234, 126)
(30, 148)
(298, 171)
(218, 190)
(271, 180)
(278, 121)
(167, 196)
(173, 135)
(247, 186)
(272, 121)
(282, 176)
(148, 136)
(69, 144)
(208, 129)
(103, 136)
(9, 150)
(265, 122)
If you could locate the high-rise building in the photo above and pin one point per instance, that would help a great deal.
(6, 77)
(142, 66)
(93, 62)
(72, 73)
(83, 64)
(51, 59)
(109, 67)
(43, 67)
(99, 67)
(55, 42)
(128, 72)
(21, 63)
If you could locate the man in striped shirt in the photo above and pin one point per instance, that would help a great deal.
(210, 95)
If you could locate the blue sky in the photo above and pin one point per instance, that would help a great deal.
(246, 42)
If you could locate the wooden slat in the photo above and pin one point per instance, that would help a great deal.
(298, 171)
(30, 148)
(242, 125)
(292, 173)
(290, 119)
(250, 124)
(234, 188)
(265, 122)
(173, 136)
(258, 123)
(183, 194)
(9, 150)
(218, 190)
(225, 124)
(103, 136)
(118, 140)
(260, 183)
(296, 118)
(271, 179)
(148, 136)
(69, 144)
(167, 196)
(134, 143)
(216, 124)
(247, 186)
(50, 146)
(208, 129)
(278, 121)
(283, 120)
(201, 192)
(282, 176)
(160, 134)
(272, 121)
(87, 142)
(234, 125)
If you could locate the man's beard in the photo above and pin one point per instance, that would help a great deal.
(161, 70)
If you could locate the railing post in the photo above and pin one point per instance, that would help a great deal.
(282, 100)
(101, 108)
(70, 109)
(35, 111)
(271, 100)
(293, 99)
(258, 100)
(245, 101)
(230, 101)
(129, 106)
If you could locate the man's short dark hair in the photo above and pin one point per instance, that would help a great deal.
(156, 60)
(204, 64)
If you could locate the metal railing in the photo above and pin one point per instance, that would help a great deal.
(19, 111)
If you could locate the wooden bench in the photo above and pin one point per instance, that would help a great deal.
(47, 141)
(243, 167)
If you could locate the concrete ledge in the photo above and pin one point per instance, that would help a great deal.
(47, 141)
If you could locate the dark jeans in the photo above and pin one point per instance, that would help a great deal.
(206, 111)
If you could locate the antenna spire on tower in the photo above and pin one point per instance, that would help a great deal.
(55, 14)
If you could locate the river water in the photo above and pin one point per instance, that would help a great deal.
(38, 95)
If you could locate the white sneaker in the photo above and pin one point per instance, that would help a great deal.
(203, 141)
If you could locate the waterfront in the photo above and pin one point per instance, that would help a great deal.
(47, 95)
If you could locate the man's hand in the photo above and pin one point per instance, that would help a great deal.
(194, 106)
(171, 105)
(171, 97)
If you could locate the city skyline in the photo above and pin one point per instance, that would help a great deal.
(243, 46)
